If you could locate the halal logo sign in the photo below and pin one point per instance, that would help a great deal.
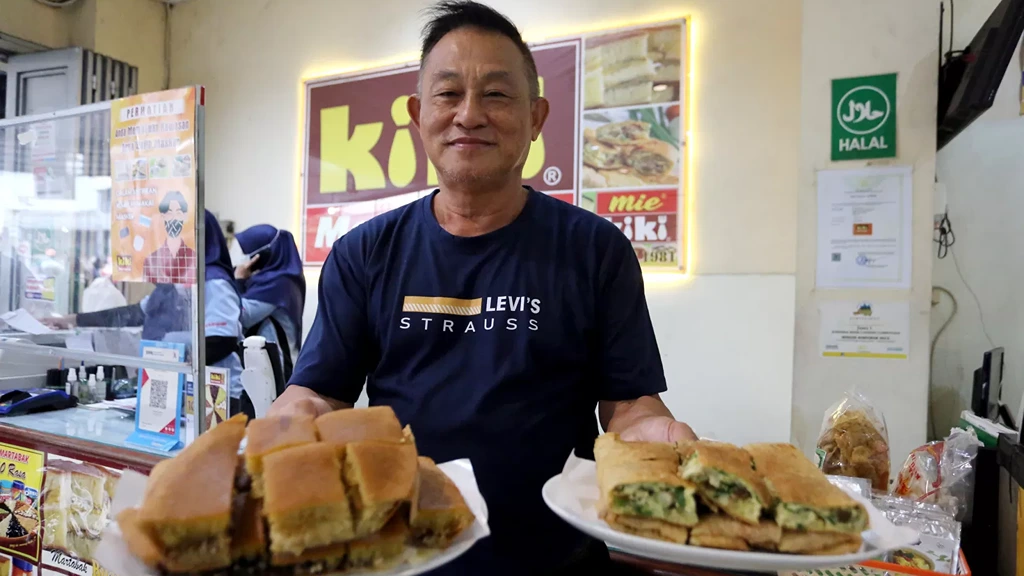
(863, 110)
(864, 117)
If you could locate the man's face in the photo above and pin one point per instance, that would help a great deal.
(474, 110)
(174, 219)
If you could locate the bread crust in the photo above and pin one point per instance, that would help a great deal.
(340, 427)
(648, 527)
(765, 535)
(173, 514)
(438, 513)
(620, 463)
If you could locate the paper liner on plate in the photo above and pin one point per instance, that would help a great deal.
(573, 496)
(113, 554)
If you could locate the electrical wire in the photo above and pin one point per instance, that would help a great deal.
(946, 237)
(931, 356)
(952, 21)
(981, 313)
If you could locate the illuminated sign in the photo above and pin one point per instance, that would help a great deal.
(614, 143)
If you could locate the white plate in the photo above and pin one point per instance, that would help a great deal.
(573, 495)
(113, 555)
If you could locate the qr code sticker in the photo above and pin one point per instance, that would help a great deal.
(158, 394)
(837, 257)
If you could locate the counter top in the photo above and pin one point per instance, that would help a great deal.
(96, 436)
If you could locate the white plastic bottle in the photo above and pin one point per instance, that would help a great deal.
(101, 381)
(72, 383)
(93, 388)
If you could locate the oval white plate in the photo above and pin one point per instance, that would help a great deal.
(574, 501)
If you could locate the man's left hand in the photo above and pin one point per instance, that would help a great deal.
(658, 429)
(644, 419)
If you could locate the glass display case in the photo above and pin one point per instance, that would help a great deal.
(83, 192)
(102, 233)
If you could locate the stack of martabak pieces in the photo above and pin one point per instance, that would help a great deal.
(712, 494)
(339, 492)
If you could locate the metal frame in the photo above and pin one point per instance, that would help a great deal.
(196, 368)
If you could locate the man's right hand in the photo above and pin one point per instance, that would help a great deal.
(301, 401)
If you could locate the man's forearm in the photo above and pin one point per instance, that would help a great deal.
(301, 400)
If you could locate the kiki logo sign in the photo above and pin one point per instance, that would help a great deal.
(864, 117)
(361, 145)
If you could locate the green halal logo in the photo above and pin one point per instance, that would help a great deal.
(863, 110)
(864, 117)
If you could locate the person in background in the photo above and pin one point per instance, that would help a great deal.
(273, 289)
(164, 314)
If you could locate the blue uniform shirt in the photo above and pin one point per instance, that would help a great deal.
(495, 347)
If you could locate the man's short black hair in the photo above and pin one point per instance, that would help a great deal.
(173, 196)
(450, 15)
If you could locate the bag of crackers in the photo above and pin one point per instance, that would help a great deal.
(854, 441)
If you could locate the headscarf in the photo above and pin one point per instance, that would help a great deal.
(279, 281)
(218, 261)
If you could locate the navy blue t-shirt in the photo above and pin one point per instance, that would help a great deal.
(494, 347)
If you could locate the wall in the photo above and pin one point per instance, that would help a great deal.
(132, 31)
(982, 169)
(32, 21)
(842, 39)
(726, 334)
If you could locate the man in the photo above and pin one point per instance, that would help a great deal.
(174, 262)
(491, 317)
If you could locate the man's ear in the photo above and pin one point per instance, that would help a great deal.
(539, 110)
(413, 107)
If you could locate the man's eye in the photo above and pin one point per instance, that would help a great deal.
(447, 94)
(495, 94)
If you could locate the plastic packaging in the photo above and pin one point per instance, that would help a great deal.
(101, 294)
(854, 441)
(941, 473)
(939, 546)
(76, 504)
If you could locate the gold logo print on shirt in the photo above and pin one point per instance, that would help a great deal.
(438, 305)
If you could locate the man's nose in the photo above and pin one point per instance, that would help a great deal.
(470, 114)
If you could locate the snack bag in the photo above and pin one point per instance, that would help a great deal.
(854, 441)
(941, 472)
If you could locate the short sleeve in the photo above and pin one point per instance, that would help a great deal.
(254, 312)
(337, 353)
(223, 309)
(630, 363)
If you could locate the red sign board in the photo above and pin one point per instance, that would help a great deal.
(613, 142)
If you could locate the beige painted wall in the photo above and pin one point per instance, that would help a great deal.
(842, 39)
(140, 43)
(32, 21)
(132, 31)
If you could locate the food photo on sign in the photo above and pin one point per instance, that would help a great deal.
(631, 147)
